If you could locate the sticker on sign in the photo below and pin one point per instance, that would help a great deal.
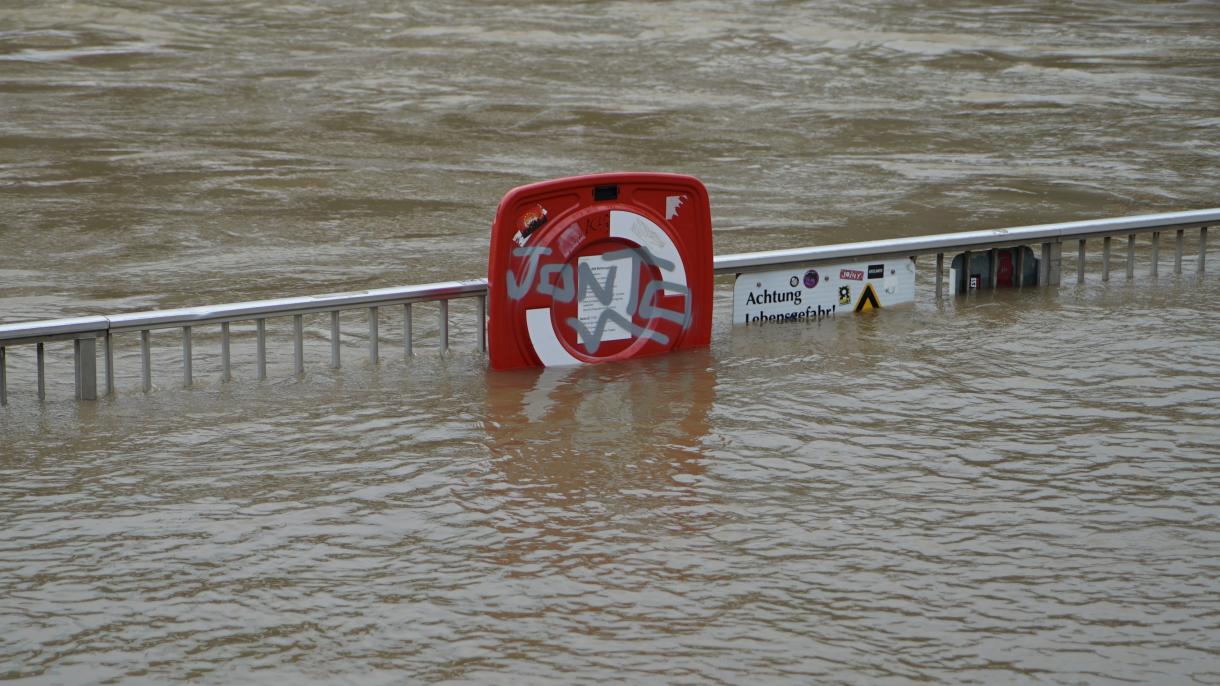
(813, 294)
(605, 286)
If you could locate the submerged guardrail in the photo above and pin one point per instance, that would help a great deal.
(84, 331)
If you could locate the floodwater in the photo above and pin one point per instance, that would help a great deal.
(1013, 488)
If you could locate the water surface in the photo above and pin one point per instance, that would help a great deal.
(1009, 488)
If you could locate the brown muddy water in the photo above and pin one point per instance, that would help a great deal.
(1018, 488)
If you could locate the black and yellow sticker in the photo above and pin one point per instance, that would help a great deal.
(868, 299)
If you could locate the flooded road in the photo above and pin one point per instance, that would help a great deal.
(1010, 488)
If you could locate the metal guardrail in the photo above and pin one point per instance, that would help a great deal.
(84, 331)
(967, 241)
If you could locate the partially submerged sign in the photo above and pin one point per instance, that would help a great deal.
(1000, 268)
(814, 293)
(599, 268)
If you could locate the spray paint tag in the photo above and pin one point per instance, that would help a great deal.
(599, 268)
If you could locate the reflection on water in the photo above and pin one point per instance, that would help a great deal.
(570, 428)
(1010, 487)
(577, 448)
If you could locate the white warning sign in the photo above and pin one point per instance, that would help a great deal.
(604, 285)
(814, 293)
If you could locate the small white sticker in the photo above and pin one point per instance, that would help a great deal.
(672, 203)
(570, 239)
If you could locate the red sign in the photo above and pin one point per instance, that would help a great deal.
(599, 268)
(851, 275)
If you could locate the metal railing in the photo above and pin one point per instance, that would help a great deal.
(84, 331)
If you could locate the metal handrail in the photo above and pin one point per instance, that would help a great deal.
(968, 240)
(11, 334)
(49, 329)
(282, 307)
(84, 330)
(723, 264)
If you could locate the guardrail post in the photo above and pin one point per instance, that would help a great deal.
(42, 371)
(225, 370)
(1177, 257)
(940, 275)
(145, 361)
(334, 339)
(406, 330)
(443, 324)
(966, 272)
(991, 261)
(109, 364)
(85, 361)
(1105, 259)
(298, 344)
(1202, 248)
(186, 356)
(1048, 270)
(260, 348)
(1130, 256)
(1156, 252)
(1055, 265)
(373, 354)
(481, 315)
(3, 376)
(1080, 262)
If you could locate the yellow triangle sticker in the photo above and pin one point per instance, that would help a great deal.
(868, 299)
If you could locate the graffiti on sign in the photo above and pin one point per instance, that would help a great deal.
(599, 268)
(607, 288)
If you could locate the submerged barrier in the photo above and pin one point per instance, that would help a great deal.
(84, 331)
